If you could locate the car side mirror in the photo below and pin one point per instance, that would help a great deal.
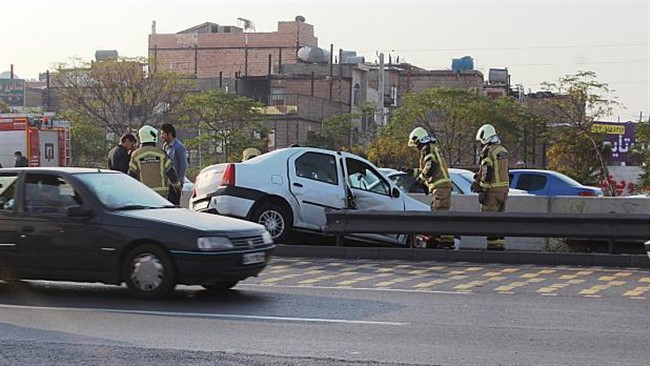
(79, 211)
(395, 192)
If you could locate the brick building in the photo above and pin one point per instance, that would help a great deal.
(210, 50)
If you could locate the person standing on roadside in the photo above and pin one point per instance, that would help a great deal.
(21, 161)
(491, 182)
(151, 166)
(178, 155)
(120, 155)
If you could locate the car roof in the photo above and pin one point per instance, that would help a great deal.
(67, 170)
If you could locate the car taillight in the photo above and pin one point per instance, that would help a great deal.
(587, 194)
(228, 177)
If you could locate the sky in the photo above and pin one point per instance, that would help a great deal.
(537, 41)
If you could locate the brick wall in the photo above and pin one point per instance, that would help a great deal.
(211, 53)
(421, 81)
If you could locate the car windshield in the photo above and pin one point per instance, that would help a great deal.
(466, 175)
(121, 192)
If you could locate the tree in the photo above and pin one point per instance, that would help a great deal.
(118, 95)
(582, 100)
(4, 107)
(642, 148)
(225, 118)
(454, 115)
(338, 132)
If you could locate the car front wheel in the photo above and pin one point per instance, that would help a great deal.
(148, 272)
(275, 219)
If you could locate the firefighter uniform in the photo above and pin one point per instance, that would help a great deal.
(493, 182)
(433, 172)
(151, 166)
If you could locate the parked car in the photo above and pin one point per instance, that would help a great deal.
(290, 189)
(91, 225)
(461, 182)
(550, 183)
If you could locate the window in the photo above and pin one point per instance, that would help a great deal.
(45, 193)
(277, 96)
(362, 176)
(531, 182)
(7, 190)
(316, 166)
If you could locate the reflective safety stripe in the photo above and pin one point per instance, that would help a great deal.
(493, 161)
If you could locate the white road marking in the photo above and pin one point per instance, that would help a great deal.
(202, 315)
(358, 289)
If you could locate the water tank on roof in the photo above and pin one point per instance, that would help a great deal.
(350, 57)
(498, 76)
(103, 55)
(314, 55)
(463, 63)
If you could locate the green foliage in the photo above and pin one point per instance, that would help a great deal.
(337, 131)
(581, 101)
(642, 149)
(226, 120)
(88, 141)
(4, 107)
(454, 115)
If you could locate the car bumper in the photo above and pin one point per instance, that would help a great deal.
(195, 268)
(224, 205)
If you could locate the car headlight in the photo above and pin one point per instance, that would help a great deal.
(268, 239)
(213, 243)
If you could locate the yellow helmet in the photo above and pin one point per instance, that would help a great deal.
(147, 134)
(250, 153)
(484, 133)
(416, 135)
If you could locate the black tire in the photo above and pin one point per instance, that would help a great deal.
(148, 272)
(275, 219)
(220, 286)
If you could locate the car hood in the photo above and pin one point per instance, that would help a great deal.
(193, 220)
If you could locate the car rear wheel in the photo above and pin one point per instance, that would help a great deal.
(148, 272)
(275, 219)
(220, 286)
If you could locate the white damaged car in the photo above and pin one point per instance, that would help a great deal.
(289, 190)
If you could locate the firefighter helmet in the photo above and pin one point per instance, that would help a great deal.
(147, 134)
(416, 135)
(250, 153)
(485, 133)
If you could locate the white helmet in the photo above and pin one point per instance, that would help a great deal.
(416, 136)
(147, 134)
(485, 133)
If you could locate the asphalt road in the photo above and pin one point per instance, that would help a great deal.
(341, 312)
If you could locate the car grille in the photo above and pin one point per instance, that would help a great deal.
(247, 242)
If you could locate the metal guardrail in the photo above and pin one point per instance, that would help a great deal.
(589, 226)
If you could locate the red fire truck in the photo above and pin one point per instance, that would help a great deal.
(42, 139)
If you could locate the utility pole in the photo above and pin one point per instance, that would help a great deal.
(379, 118)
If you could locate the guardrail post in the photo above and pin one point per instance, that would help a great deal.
(610, 245)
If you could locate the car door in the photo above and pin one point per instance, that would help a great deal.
(371, 191)
(8, 221)
(51, 242)
(316, 182)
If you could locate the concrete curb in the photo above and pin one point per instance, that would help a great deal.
(473, 256)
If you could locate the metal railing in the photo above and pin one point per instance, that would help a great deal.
(543, 225)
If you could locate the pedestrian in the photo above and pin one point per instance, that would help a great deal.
(491, 182)
(21, 161)
(178, 155)
(151, 165)
(120, 155)
(434, 173)
(250, 153)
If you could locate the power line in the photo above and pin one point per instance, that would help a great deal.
(513, 48)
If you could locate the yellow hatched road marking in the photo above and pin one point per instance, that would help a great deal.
(547, 271)
(430, 283)
(575, 282)
(567, 277)
(593, 296)
(535, 280)
(546, 289)
(391, 282)
(463, 287)
(318, 279)
(510, 270)
(314, 271)
(458, 277)
(497, 278)
(474, 269)
(623, 274)
(645, 279)
(504, 288)
(637, 297)
(616, 283)
(491, 274)
(418, 271)
(529, 275)
(384, 270)
(606, 278)
(437, 268)
(584, 273)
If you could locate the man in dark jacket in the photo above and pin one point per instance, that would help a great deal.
(119, 156)
(21, 161)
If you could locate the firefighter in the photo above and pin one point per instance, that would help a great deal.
(492, 181)
(151, 166)
(250, 153)
(434, 174)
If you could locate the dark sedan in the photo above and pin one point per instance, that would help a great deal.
(91, 225)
